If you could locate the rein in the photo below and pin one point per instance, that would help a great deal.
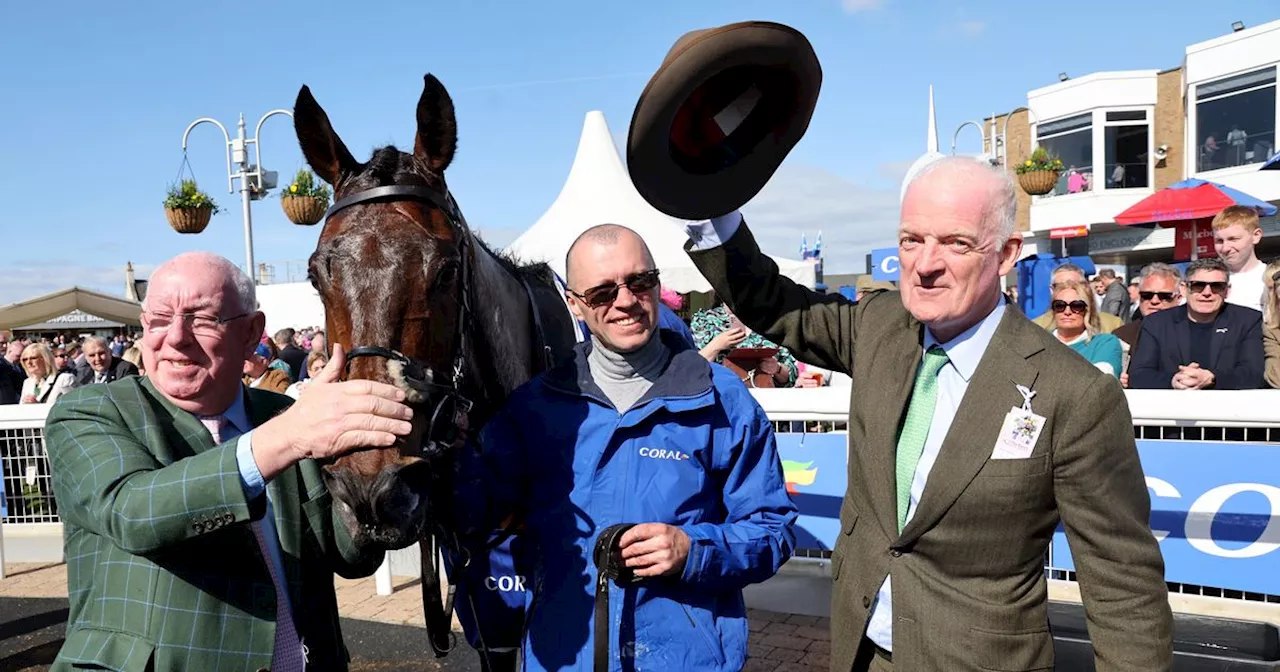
(449, 420)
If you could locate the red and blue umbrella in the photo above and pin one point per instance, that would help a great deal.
(1189, 205)
(1190, 200)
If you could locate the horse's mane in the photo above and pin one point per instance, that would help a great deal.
(531, 271)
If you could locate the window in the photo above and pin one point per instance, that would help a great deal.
(1236, 120)
(1125, 146)
(1071, 140)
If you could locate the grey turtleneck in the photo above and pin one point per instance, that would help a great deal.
(626, 377)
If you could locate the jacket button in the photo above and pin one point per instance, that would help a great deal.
(896, 553)
(866, 602)
(230, 518)
(198, 527)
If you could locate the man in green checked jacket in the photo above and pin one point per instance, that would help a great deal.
(199, 531)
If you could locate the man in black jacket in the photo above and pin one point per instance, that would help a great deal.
(100, 365)
(1210, 345)
(292, 355)
(1159, 288)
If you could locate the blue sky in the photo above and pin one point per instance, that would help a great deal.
(96, 95)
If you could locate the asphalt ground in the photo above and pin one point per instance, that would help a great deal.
(31, 632)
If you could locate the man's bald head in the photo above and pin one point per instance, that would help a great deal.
(605, 235)
(238, 285)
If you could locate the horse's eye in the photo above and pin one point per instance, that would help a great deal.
(447, 274)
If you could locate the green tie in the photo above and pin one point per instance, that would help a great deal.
(915, 430)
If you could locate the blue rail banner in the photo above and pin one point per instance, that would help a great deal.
(1217, 518)
(1215, 508)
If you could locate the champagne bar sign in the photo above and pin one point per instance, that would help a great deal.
(76, 317)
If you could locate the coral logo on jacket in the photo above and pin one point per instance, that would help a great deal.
(663, 454)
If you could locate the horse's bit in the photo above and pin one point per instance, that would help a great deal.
(451, 407)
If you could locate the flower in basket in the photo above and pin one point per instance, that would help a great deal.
(186, 196)
(305, 199)
(306, 185)
(1040, 159)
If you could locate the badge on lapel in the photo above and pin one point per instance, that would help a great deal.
(1020, 431)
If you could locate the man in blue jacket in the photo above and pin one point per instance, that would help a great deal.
(638, 428)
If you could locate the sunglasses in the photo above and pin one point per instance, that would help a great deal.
(1076, 306)
(603, 295)
(1164, 296)
(1197, 286)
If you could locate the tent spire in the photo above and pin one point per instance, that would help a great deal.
(932, 147)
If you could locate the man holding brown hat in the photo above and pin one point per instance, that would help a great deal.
(975, 432)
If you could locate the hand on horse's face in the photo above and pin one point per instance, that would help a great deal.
(332, 418)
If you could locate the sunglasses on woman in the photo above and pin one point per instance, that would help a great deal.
(603, 295)
(1076, 306)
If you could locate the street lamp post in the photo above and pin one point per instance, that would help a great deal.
(254, 181)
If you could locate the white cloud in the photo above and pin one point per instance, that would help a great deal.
(971, 28)
(23, 282)
(801, 200)
(855, 6)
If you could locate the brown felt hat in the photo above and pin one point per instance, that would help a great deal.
(720, 115)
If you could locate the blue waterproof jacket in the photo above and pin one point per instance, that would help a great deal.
(491, 593)
(696, 452)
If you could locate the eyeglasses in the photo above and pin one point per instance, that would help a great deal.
(1197, 286)
(1164, 296)
(603, 295)
(28, 360)
(1076, 306)
(203, 325)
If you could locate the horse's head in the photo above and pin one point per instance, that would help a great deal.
(389, 267)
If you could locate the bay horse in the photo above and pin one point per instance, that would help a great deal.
(420, 302)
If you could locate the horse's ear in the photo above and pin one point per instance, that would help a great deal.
(322, 147)
(437, 127)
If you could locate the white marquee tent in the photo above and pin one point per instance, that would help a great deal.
(599, 191)
(291, 304)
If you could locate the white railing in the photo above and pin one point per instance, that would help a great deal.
(1239, 416)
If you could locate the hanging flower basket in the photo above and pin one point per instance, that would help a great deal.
(187, 208)
(303, 210)
(305, 200)
(188, 220)
(1038, 182)
(1038, 175)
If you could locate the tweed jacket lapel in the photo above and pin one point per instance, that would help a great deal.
(974, 430)
(903, 354)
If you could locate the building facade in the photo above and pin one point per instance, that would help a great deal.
(1124, 135)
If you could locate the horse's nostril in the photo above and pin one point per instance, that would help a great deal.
(416, 475)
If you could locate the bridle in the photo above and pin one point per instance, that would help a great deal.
(449, 419)
(450, 408)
